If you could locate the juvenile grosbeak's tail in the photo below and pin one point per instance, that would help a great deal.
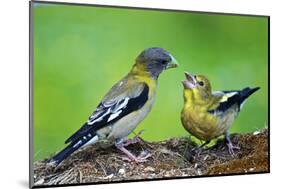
(72, 147)
(245, 93)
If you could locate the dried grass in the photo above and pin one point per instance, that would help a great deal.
(170, 158)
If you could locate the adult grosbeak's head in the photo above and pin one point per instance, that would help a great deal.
(197, 88)
(154, 61)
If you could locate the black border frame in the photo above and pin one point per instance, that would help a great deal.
(31, 167)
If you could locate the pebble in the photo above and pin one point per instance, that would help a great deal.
(251, 169)
(149, 169)
(121, 171)
(110, 176)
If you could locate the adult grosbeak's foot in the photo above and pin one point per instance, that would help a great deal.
(230, 146)
(131, 157)
(135, 139)
(139, 159)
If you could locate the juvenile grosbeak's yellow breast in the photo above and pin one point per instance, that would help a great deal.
(206, 114)
(125, 105)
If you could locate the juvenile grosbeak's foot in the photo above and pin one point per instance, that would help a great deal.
(230, 146)
(135, 139)
(204, 144)
(198, 150)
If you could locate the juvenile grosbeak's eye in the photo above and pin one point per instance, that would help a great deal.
(201, 83)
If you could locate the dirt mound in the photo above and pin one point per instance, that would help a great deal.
(175, 157)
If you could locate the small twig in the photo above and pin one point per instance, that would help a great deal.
(104, 171)
(80, 176)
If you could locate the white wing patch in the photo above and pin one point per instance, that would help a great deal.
(226, 96)
(92, 121)
(122, 105)
(113, 110)
(112, 116)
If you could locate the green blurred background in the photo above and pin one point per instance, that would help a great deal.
(81, 51)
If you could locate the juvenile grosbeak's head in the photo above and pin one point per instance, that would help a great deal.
(154, 61)
(197, 87)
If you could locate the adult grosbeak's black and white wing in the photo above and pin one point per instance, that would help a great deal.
(122, 99)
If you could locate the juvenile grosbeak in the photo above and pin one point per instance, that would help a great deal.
(125, 105)
(208, 115)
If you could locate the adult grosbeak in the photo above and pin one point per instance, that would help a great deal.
(206, 114)
(125, 105)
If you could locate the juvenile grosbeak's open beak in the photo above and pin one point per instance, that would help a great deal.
(173, 63)
(190, 81)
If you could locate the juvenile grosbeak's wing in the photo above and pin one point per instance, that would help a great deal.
(122, 99)
(228, 99)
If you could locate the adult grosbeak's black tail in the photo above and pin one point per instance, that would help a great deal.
(67, 151)
(73, 146)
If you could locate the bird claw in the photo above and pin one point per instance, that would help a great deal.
(131, 157)
(231, 148)
(197, 150)
(135, 139)
(139, 159)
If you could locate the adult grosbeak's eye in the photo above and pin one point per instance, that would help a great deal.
(163, 61)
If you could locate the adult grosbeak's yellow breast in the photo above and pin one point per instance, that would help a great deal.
(125, 105)
(206, 114)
